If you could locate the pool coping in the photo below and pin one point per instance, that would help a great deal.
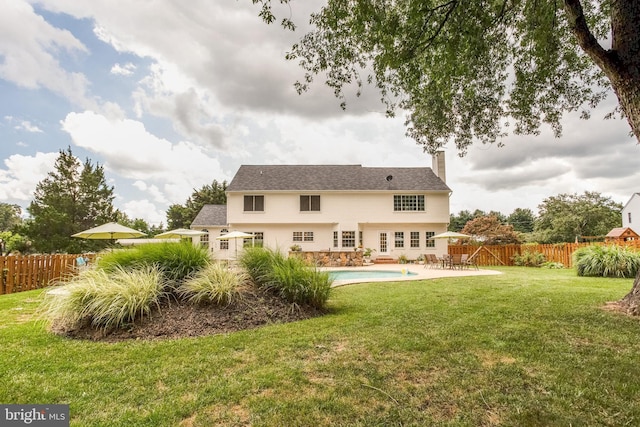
(422, 273)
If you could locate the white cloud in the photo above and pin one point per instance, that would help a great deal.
(31, 61)
(18, 181)
(132, 152)
(146, 210)
(27, 126)
(123, 70)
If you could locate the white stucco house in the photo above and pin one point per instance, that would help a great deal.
(394, 211)
(631, 213)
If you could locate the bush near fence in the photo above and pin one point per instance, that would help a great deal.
(20, 273)
(502, 255)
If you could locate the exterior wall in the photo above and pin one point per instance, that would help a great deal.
(367, 214)
(631, 214)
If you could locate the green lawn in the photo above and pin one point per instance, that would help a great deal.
(528, 347)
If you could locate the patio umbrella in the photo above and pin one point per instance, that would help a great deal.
(451, 235)
(179, 233)
(110, 231)
(235, 235)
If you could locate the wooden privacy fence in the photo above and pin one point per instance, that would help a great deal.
(26, 272)
(497, 255)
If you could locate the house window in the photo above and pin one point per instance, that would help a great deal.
(309, 203)
(415, 239)
(254, 203)
(360, 238)
(430, 242)
(224, 244)
(204, 239)
(348, 239)
(303, 236)
(629, 216)
(408, 202)
(258, 239)
(399, 239)
(335, 239)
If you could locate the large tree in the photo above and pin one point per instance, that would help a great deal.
(471, 70)
(181, 216)
(566, 217)
(467, 70)
(72, 198)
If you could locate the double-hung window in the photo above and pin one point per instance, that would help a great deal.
(254, 203)
(348, 239)
(430, 242)
(415, 239)
(309, 203)
(399, 239)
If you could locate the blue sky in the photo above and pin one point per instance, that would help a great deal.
(169, 96)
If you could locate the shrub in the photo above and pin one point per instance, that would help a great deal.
(551, 265)
(529, 259)
(606, 261)
(216, 284)
(105, 299)
(291, 278)
(175, 260)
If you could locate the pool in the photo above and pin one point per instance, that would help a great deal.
(369, 274)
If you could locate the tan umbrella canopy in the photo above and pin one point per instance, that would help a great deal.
(236, 235)
(109, 231)
(179, 233)
(451, 235)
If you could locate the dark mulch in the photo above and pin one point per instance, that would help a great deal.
(176, 319)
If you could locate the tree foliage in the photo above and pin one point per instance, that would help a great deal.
(565, 217)
(72, 198)
(9, 216)
(181, 216)
(491, 230)
(476, 70)
(522, 220)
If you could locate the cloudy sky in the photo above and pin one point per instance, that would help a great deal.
(170, 95)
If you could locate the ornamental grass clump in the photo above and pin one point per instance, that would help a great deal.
(606, 261)
(176, 260)
(290, 278)
(257, 262)
(214, 284)
(104, 299)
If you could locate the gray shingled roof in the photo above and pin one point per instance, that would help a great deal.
(333, 177)
(211, 215)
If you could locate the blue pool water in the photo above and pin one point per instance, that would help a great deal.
(369, 274)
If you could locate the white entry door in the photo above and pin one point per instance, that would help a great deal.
(383, 243)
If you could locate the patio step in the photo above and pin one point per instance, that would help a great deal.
(384, 260)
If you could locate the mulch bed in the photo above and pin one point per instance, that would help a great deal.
(176, 319)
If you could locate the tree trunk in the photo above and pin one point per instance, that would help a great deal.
(621, 63)
(631, 301)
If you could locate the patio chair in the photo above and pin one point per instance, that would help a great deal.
(464, 261)
(431, 260)
(471, 262)
(456, 261)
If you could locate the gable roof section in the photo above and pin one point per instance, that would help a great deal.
(622, 232)
(211, 215)
(333, 178)
(630, 199)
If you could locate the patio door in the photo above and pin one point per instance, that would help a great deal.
(383, 243)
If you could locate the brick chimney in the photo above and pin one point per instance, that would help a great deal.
(438, 166)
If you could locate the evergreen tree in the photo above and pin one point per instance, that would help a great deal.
(9, 216)
(522, 220)
(181, 216)
(72, 198)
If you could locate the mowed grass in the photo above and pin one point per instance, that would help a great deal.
(530, 347)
